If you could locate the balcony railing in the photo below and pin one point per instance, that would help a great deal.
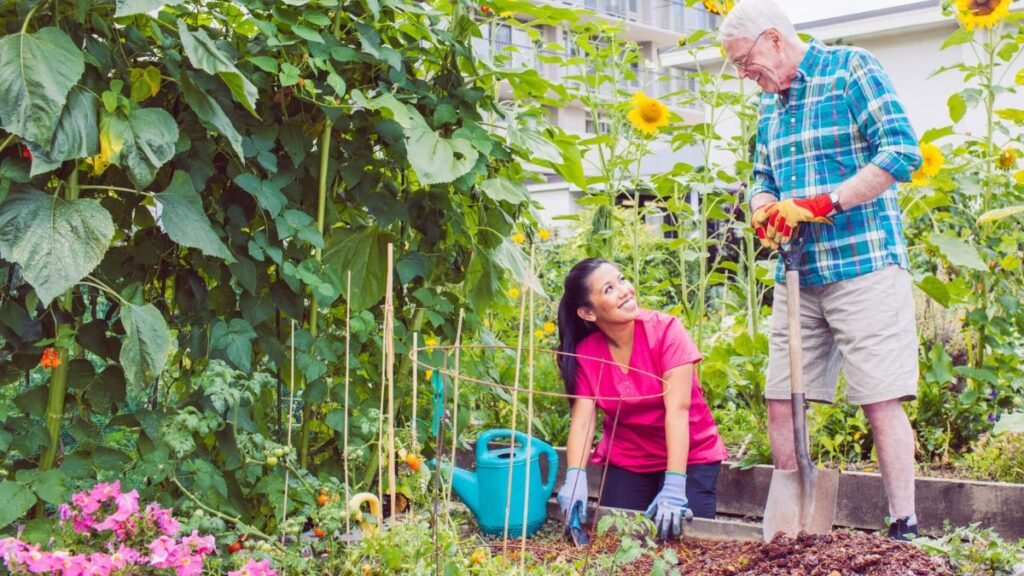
(672, 15)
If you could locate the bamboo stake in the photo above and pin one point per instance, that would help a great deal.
(515, 409)
(529, 414)
(389, 351)
(415, 396)
(380, 428)
(291, 408)
(348, 340)
(455, 402)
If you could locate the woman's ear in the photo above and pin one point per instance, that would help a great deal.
(586, 314)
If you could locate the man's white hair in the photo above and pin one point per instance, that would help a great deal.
(751, 17)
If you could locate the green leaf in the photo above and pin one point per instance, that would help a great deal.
(1013, 423)
(531, 142)
(77, 134)
(437, 160)
(509, 256)
(56, 242)
(267, 192)
(957, 107)
(935, 288)
(307, 33)
(364, 253)
(51, 486)
(499, 189)
(33, 401)
(17, 499)
(265, 63)
(204, 54)
(147, 343)
(211, 114)
(235, 339)
(146, 83)
(36, 73)
(1014, 115)
(960, 36)
(130, 7)
(140, 143)
(958, 252)
(184, 220)
(999, 214)
(933, 134)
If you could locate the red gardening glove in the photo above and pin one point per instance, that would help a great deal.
(785, 216)
(759, 221)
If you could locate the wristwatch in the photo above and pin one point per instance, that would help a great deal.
(834, 197)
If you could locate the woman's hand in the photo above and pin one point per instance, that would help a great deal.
(573, 490)
(670, 506)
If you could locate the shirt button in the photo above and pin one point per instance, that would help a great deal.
(792, 120)
(792, 148)
(793, 179)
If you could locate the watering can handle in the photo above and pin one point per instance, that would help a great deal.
(539, 445)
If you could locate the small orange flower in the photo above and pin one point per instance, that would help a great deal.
(51, 358)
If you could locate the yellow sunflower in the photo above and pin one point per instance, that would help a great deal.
(1018, 177)
(1008, 159)
(513, 293)
(544, 234)
(981, 13)
(549, 327)
(718, 7)
(519, 238)
(932, 162)
(647, 114)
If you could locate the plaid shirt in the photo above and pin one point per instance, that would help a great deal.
(841, 114)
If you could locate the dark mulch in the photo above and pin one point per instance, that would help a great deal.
(839, 553)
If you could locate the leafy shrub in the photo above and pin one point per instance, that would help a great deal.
(976, 552)
(996, 457)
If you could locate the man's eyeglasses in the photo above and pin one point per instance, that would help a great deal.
(742, 63)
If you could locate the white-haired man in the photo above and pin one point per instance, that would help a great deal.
(832, 141)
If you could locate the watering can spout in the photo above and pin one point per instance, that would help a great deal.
(464, 483)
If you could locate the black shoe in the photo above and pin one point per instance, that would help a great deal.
(901, 529)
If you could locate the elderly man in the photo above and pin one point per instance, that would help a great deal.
(832, 141)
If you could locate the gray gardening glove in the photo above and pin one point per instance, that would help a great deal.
(669, 506)
(574, 490)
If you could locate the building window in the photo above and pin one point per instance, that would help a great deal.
(602, 126)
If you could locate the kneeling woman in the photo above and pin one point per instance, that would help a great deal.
(666, 452)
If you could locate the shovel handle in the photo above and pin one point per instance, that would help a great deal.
(792, 257)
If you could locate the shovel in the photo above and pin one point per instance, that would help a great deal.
(575, 529)
(803, 499)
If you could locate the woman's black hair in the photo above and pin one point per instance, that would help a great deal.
(571, 328)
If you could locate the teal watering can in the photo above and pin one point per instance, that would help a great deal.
(485, 490)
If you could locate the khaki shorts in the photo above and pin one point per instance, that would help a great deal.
(866, 324)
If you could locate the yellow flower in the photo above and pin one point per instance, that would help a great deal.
(931, 161)
(647, 114)
(513, 292)
(430, 373)
(1018, 176)
(544, 234)
(518, 238)
(981, 13)
(918, 179)
(719, 7)
(506, 14)
(549, 327)
(430, 341)
(1008, 159)
(538, 334)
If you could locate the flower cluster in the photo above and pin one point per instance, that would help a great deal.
(50, 359)
(254, 568)
(107, 533)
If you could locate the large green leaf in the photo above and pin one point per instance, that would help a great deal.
(36, 72)
(130, 7)
(437, 160)
(183, 219)
(56, 242)
(77, 134)
(140, 143)
(364, 254)
(235, 339)
(204, 54)
(499, 189)
(958, 252)
(999, 214)
(211, 114)
(510, 257)
(17, 499)
(51, 486)
(146, 345)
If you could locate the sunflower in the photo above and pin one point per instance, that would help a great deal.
(1008, 159)
(718, 7)
(981, 13)
(931, 161)
(647, 114)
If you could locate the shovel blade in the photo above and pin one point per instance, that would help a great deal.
(798, 504)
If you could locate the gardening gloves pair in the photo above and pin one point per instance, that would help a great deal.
(670, 506)
(574, 490)
(776, 222)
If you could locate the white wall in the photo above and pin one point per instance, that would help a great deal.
(802, 11)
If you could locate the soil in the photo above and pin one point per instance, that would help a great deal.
(839, 553)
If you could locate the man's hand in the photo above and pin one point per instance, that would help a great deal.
(785, 216)
(670, 507)
(759, 221)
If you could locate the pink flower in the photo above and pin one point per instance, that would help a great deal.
(189, 566)
(254, 568)
(202, 545)
(127, 504)
(162, 552)
(38, 561)
(164, 520)
(86, 502)
(124, 556)
(99, 565)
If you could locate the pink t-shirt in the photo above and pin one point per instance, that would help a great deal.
(660, 343)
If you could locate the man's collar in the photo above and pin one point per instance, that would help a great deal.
(812, 58)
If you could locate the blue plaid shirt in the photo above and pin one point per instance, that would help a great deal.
(841, 114)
